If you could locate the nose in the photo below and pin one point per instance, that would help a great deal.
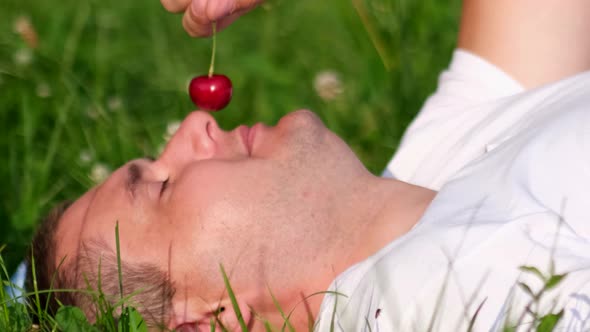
(194, 140)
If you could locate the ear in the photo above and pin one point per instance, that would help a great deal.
(230, 318)
(223, 315)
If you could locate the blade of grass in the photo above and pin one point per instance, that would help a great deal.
(333, 318)
(314, 294)
(441, 294)
(372, 32)
(75, 35)
(104, 308)
(233, 299)
(221, 326)
(119, 259)
(474, 318)
(278, 306)
(368, 324)
(2, 294)
(36, 289)
(267, 326)
(52, 281)
(54, 139)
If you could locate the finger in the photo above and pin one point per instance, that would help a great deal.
(216, 10)
(196, 23)
(228, 20)
(200, 14)
(175, 6)
(205, 28)
(246, 5)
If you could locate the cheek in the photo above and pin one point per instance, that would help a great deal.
(228, 205)
(208, 196)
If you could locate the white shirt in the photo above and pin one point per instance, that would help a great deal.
(530, 177)
(462, 120)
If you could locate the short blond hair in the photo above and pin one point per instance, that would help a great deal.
(150, 286)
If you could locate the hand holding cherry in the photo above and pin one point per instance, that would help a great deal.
(202, 18)
(211, 92)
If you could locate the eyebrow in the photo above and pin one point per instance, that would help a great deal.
(134, 175)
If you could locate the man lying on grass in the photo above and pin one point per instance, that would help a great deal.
(290, 211)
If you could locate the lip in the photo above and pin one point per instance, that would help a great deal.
(245, 134)
(252, 137)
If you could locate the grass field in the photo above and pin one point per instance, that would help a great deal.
(105, 78)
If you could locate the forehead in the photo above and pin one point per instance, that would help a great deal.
(99, 201)
(71, 224)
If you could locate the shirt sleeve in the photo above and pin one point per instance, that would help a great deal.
(465, 93)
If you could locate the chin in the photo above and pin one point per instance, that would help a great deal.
(301, 118)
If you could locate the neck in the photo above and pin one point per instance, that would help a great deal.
(398, 208)
(380, 212)
(376, 212)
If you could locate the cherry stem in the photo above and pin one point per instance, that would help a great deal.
(212, 66)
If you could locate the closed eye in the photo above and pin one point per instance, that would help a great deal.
(135, 177)
(164, 186)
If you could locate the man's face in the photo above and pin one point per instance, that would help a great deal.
(249, 199)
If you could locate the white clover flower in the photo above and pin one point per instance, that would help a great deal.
(43, 90)
(23, 57)
(92, 112)
(171, 129)
(327, 85)
(160, 148)
(85, 157)
(99, 172)
(21, 23)
(114, 103)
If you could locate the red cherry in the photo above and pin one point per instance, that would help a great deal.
(210, 93)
